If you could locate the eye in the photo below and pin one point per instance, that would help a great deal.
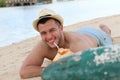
(43, 33)
(52, 30)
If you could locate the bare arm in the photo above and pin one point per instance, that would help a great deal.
(32, 65)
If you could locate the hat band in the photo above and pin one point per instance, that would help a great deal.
(48, 15)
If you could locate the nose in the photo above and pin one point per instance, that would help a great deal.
(49, 36)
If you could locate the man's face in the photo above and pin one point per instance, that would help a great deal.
(50, 32)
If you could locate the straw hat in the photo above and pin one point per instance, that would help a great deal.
(47, 13)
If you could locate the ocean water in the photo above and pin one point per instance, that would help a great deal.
(16, 22)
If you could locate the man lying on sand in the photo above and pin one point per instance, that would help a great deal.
(50, 26)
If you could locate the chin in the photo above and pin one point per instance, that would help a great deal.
(51, 46)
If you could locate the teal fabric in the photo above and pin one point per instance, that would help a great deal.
(101, 37)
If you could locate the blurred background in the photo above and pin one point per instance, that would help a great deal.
(16, 16)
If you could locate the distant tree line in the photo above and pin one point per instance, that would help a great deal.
(2, 3)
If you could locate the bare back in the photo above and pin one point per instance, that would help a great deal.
(79, 42)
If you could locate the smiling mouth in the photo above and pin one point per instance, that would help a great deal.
(51, 42)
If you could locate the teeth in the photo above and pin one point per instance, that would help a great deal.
(50, 41)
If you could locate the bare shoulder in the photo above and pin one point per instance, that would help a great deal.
(37, 55)
(71, 36)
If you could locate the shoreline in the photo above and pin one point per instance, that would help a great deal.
(12, 56)
(93, 22)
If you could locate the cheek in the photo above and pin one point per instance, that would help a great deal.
(43, 38)
(57, 35)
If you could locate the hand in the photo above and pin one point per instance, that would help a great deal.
(62, 53)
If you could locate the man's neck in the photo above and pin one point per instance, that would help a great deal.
(64, 41)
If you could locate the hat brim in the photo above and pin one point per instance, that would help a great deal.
(35, 22)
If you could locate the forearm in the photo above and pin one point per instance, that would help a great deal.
(31, 71)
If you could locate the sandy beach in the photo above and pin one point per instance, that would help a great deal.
(12, 56)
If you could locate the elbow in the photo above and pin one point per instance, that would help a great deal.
(22, 74)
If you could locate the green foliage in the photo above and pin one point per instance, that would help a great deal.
(2, 3)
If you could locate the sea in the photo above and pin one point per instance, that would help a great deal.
(16, 22)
